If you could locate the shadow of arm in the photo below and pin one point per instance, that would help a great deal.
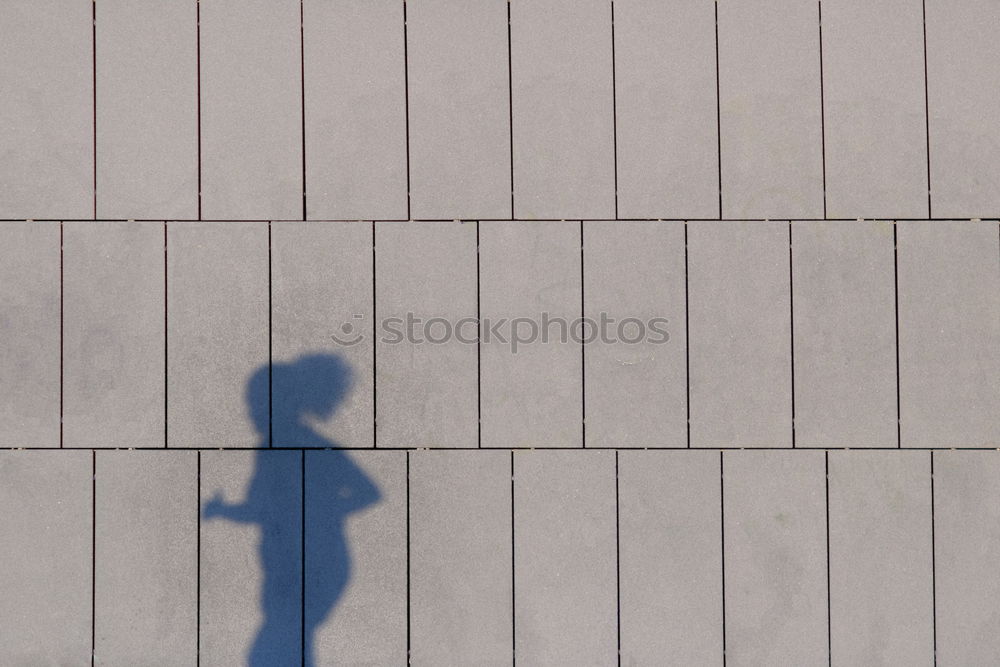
(217, 508)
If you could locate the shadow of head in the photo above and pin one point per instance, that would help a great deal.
(284, 397)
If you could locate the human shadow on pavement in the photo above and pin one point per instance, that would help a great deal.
(300, 501)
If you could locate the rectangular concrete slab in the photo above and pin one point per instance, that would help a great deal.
(873, 87)
(147, 109)
(531, 392)
(670, 551)
(635, 369)
(251, 110)
(217, 334)
(962, 62)
(30, 330)
(461, 574)
(321, 297)
(146, 558)
(665, 109)
(563, 110)
(355, 110)
(775, 551)
(949, 333)
(459, 109)
(771, 130)
(47, 118)
(564, 558)
(251, 557)
(843, 286)
(45, 608)
(114, 339)
(967, 544)
(740, 341)
(360, 500)
(426, 357)
(881, 601)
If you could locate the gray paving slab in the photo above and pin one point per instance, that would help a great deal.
(355, 110)
(45, 609)
(775, 550)
(949, 333)
(113, 334)
(769, 91)
(636, 377)
(873, 87)
(532, 396)
(147, 109)
(881, 601)
(217, 334)
(321, 282)
(251, 110)
(665, 109)
(739, 328)
(47, 119)
(967, 545)
(843, 285)
(29, 328)
(962, 63)
(564, 558)
(250, 557)
(459, 109)
(368, 623)
(670, 551)
(562, 96)
(146, 558)
(461, 575)
(427, 376)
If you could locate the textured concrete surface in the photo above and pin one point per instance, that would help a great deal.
(845, 333)
(740, 353)
(427, 271)
(211, 454)
(30, 320)
(114, 338)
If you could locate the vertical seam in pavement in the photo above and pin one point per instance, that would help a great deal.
(62, 343)
(791, 326)
(829, 606)
(895, 277)
(718, 107)
(166, 340)
(270, 346)
(409, 642)
(510, 109)
(583, 349)
(722, 524)
(197, 5)
(614, 105)
(302, 560)
(198, 568)
(927, 113)
(822, 101)
(933, 566)
(374, 345)
(618, 563)
(406, 90)
(687, 338)
(93, 556)
(93, 55)
(479, 350)
(302, 87)
(513, 577)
